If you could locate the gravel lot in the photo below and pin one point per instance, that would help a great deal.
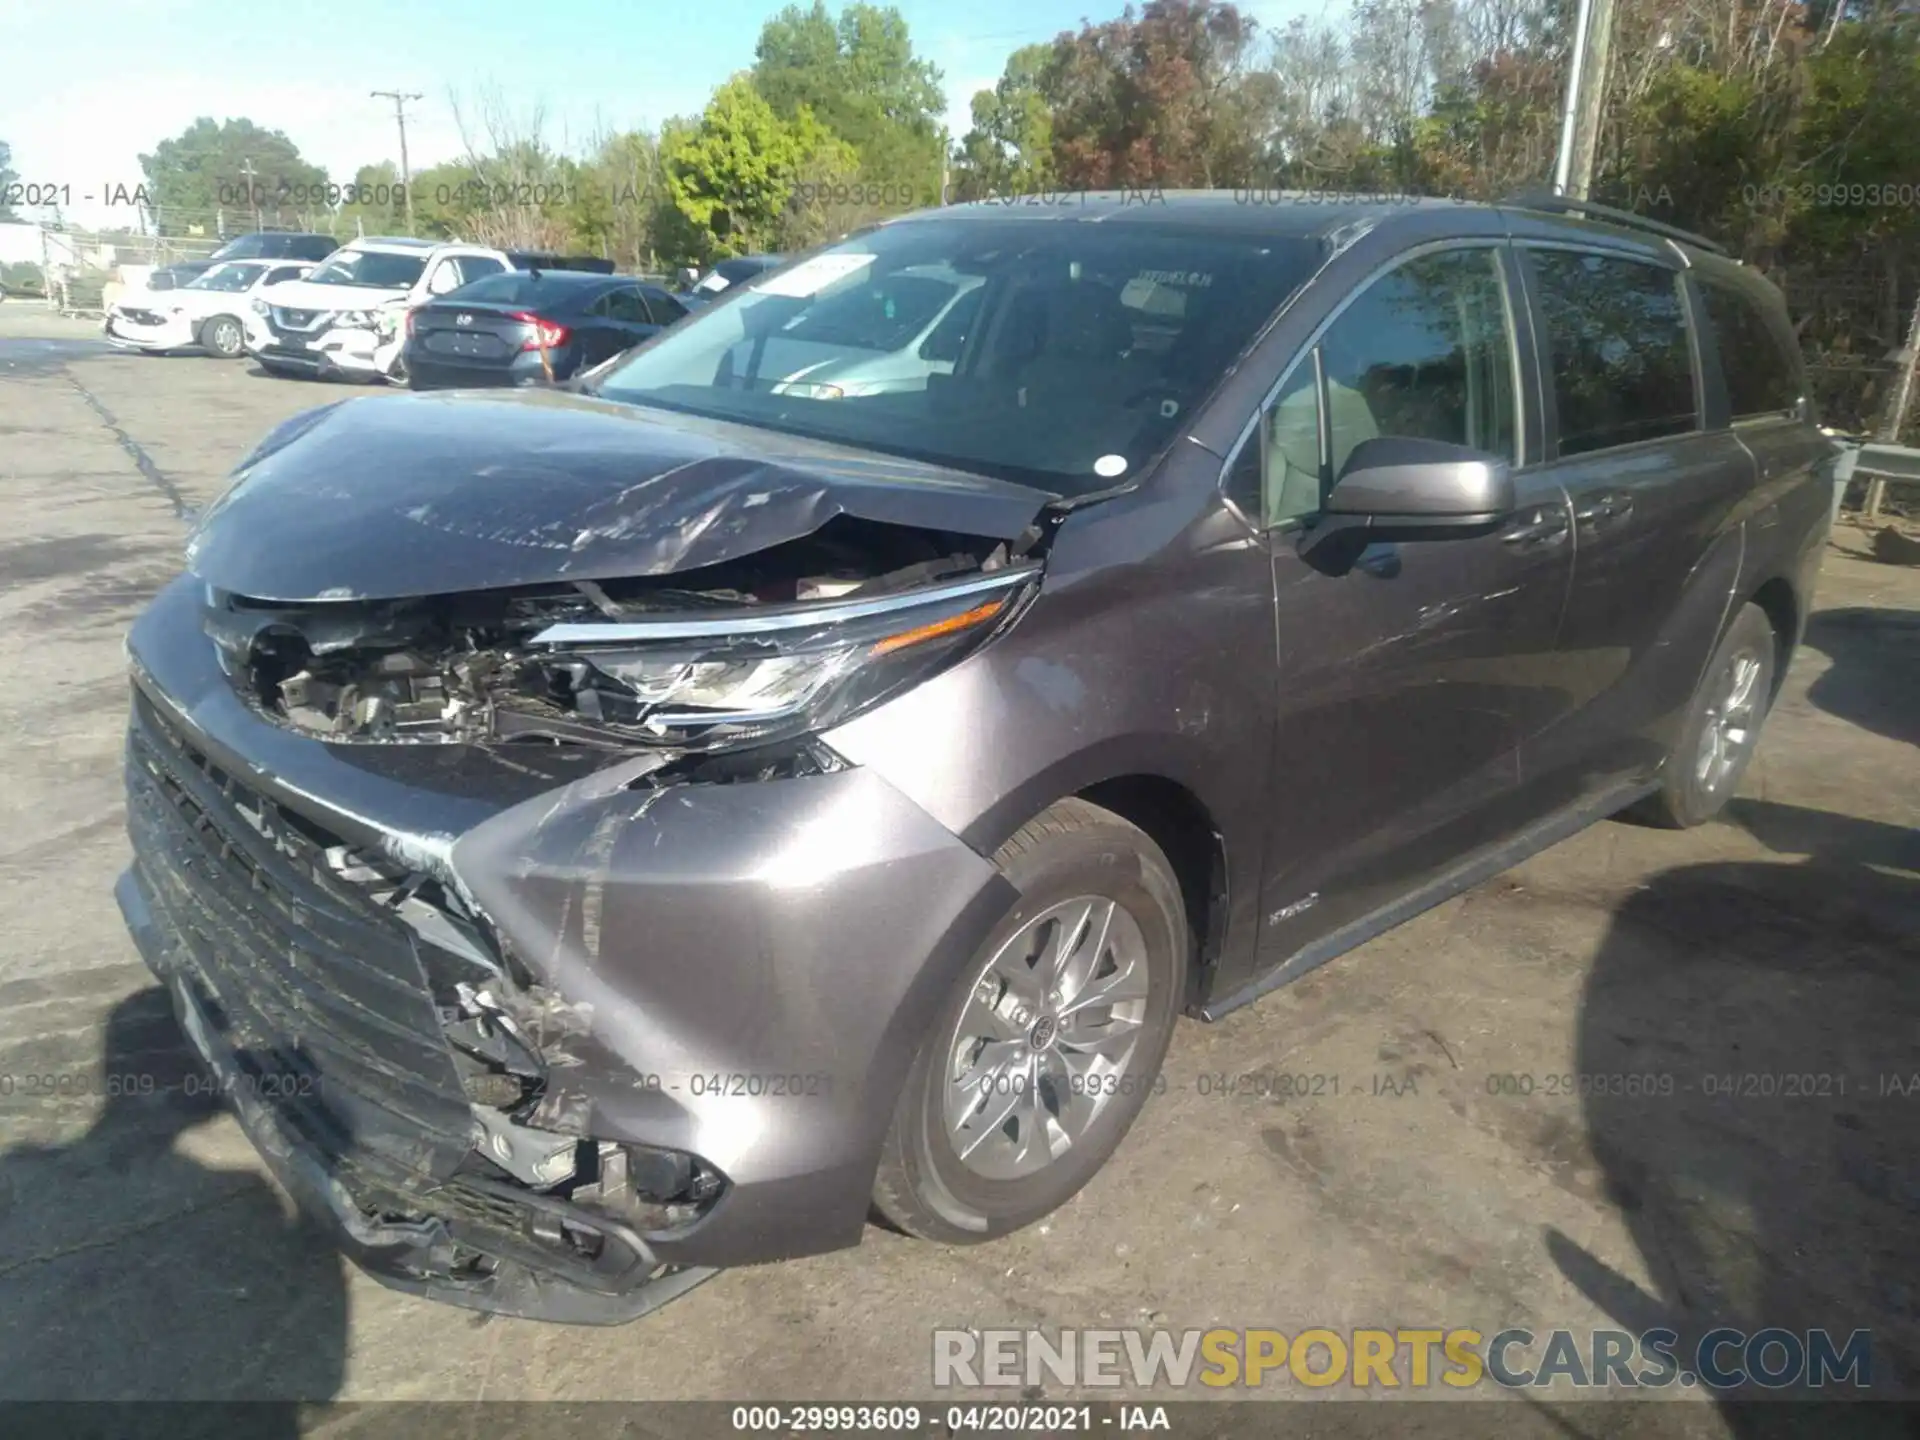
(1784, 940)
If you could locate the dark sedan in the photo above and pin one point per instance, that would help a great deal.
(530, 328)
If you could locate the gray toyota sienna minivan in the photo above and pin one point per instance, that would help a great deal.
(600, 835)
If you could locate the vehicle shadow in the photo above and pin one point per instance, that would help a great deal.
(1868, 683)
(131, 1271)
(1773, 1183)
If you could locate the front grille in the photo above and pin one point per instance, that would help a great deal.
(316, 988)
(302, 320)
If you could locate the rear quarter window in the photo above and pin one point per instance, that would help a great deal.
(1762, 376)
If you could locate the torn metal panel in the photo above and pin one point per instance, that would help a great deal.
(422, 495)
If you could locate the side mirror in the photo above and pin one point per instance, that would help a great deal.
(1410, 485)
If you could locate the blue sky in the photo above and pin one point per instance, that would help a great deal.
(88, 87)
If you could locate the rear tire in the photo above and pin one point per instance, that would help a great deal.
(1046, 1048)
(222, 336)
(1722, 727)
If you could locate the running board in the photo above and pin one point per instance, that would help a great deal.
(1552, 830)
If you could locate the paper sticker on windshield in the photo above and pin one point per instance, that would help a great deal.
(810, 277)
(1108, 466)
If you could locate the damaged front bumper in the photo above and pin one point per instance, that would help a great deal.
(148, 330)
(733, 973)
(425, 1254)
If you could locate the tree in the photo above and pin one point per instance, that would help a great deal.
(1169, 97)
(861, 81)
(376, 204)
(213, 170)
(1009, 150)
(7, 177)
(732, 177)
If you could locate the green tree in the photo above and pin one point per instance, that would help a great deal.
(860, 79)
(202, 175)
(1009, 150)
(732, 176)
(378, 206)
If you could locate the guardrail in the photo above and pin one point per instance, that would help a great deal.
(1880, 464)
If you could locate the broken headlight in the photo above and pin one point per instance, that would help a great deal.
(708, 684)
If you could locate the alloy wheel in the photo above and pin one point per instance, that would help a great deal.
(1046, 1037)
(1732, 722)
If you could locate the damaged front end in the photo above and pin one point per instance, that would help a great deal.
(745, 653)
(389, 1052)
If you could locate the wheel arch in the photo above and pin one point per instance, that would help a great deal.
(1777, 600)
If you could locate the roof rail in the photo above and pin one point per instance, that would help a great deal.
(1554, 204)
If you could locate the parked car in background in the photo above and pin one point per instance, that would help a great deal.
(255, 245)
(208, 311)
(347, 317)
(888, 334)
(601, 835)
(530, 328)
(729, 273)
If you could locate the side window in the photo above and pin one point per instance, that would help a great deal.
(445, 277)
(663, 307)
(1617, 331)
(1293, 476)
(472, 267)
(281, 273)
(1424, 353)
(1760, 374)
(625, 305)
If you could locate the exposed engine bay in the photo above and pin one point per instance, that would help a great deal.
(478, 667)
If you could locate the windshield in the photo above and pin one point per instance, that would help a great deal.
(225, 277)
(1060, 355)
(374, 268)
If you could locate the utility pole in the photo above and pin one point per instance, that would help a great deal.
(400, 99)
(1586, 99)
(253, 193)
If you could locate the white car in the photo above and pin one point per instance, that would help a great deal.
(349, 316)
(209, 311)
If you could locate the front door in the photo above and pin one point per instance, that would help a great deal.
(1409, 675)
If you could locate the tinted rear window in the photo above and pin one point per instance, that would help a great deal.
(1622, 367)
(517, 287)
(1761, 377)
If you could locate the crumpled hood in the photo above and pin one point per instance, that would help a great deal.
(305, 295)
(422, 494)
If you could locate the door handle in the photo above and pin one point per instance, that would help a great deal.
(1612, 505)
(1546, 525)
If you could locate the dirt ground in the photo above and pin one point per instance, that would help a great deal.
(1784, 940)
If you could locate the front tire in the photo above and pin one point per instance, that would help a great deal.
(223, 337)
(1722, 727)
(1045, 1050)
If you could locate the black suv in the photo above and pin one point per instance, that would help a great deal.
(806, 767)
(258, 245)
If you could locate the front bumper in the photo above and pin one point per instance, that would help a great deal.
(421, 1256)
(325, 350)
(740, 972)
(173, 333)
